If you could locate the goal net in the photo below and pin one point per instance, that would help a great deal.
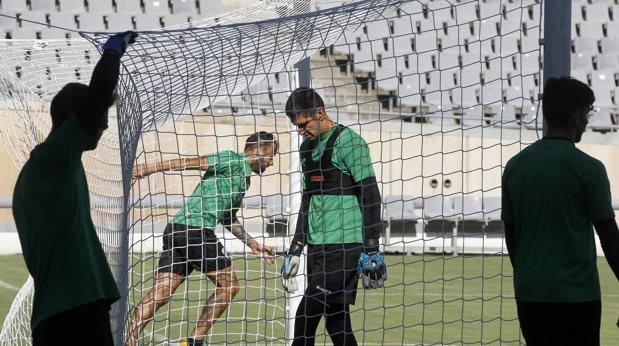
(443, 92)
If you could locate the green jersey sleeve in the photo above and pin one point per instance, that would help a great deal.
(354, 152)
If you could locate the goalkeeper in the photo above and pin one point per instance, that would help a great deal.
(189, 241)
(73, 284)
(339, 220)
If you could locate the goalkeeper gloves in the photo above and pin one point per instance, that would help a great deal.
(371, 267)
(118, 43)
(292, 260)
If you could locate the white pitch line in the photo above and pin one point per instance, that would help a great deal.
(8, 286)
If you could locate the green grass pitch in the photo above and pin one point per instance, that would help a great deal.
(429, 299)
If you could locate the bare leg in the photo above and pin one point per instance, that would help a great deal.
(165, 285)
(227, 288)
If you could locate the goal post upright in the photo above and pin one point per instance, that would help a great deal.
(302, 78)
(557, 39)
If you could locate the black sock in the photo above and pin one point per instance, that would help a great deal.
(194, 342)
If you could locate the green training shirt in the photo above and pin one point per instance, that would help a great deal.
(337, 219)
(51, 207)
(553, 192)
(219, 193)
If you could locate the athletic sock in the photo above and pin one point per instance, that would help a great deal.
(194, 342)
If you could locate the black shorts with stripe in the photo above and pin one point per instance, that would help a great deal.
(332, 272)
(186, 249)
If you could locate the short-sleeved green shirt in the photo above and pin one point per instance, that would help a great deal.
(334, 219)
(51, 207)
(219, 193)
(553, 192)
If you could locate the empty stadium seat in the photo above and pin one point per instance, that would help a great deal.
(63, 20)
(610, 45)
(492, 216)
(184, 6)
(90, 21)
(128, 7)
(147, 22)
(277, 213)
(156, 7)
(211, 8)
(439, 216)
(35, 5)
(31, 19)
(119, 22)
(100, 6)
(582, 61)
(595, 13)
(589, 29)
(75, 6)
(400, 215)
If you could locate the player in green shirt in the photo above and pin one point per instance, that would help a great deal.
(189, 241)
(73, 284)
(339, 221)
(553, 196)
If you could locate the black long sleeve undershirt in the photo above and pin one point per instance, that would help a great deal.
(94, 117)
(609, 238)
(300, 233)
(370, 201)
(510, 240)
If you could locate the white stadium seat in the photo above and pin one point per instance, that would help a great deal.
(102, 6)
(156, 7)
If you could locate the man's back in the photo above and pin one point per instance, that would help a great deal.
(52, 213)
(553, 192)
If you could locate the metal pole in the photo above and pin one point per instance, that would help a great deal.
(556, 39)
(302, 79)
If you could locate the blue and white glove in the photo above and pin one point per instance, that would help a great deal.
(371, 267)
(118, 43)
(292, 260)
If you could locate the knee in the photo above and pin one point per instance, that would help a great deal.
(229, 288)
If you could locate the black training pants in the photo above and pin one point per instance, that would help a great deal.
(337, 322)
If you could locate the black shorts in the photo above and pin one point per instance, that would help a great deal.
(186, 249)
(332, 272)
(560, 323)
(88, 324)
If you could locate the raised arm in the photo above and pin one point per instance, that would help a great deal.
(188, 163)
(234, 226)
(94, 117)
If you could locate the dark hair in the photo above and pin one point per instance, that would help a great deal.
(564, 96)
(261, 138)
(303, 100)
(69, 100)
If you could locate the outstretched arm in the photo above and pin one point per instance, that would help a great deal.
(235, 227)
(195, 162)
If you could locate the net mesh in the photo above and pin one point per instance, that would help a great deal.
(443, 92)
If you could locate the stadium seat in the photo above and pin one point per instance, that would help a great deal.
(581, 61)
(101, 6)
(52, 33)
(438, 215)
(147, 22)
(377, 30)
(595, 13)
(31, 19)
(584, 45)
(469, 214)
(63, 20)
(489, 10)
(174, 20)
(156, 7)
(25, 33)
(492, 216)
(91, 21)
(589, 29)
(400, 215)
(35, 5)
(610, 45)
(119, 22)
(184, 6)
(605, 62)
(128, 7)
(277, 213)
(601, 79)
(74, 6)
(211, 8)
(602, 120)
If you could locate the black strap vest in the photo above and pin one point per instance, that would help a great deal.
(322, 177)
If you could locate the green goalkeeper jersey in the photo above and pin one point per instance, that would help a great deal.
(337, 218)
(553, 193)
(51, 207)
(219, 193)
